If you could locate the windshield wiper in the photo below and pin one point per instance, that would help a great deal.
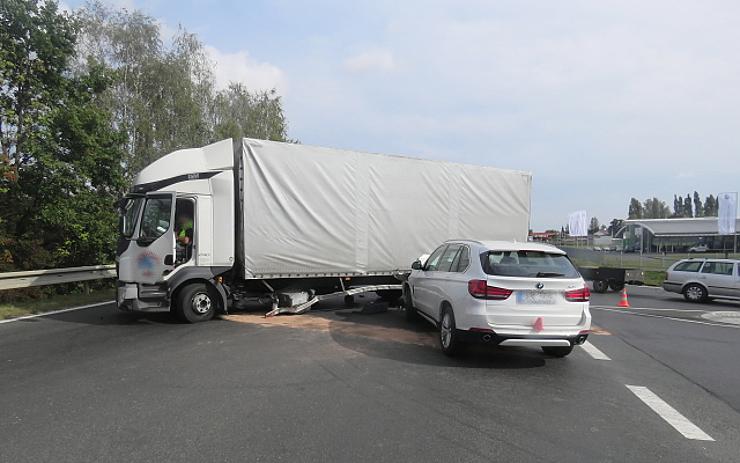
(549, 274)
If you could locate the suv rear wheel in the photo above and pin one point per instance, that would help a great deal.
(695, 293)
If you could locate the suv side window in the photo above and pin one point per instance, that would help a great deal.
(462, 260)
(445, 263)
(691, 266)
(718, 268)
(431, 264)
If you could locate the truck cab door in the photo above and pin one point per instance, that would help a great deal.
(154, 246)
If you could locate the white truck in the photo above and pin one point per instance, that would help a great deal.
(207, 229)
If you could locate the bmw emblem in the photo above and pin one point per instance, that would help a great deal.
(539, 285)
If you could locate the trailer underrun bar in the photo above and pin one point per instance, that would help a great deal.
(306, 306)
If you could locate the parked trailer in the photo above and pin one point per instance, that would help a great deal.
(604, 278)
(291, 224)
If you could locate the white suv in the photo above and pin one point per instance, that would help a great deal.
(504, 293)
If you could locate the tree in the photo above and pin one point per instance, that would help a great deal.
(687, 208)
(593, 226)
(710, 206)
(635, 209)
(614, 226)
(240, 113)
(698, 208)
(677, 206)
(164, 96)
(655, 209)
(58, 208)
(35, 44)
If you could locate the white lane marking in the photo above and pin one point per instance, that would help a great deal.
(646, 308)
(594, 352)
(53, 312)
(669, 414)
(698, 322)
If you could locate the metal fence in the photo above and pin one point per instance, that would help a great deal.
(14, 280)
(645, 261)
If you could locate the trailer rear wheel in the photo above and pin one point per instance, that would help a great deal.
(390, 296)
(195, 303)
(600, 286)
(616, 286)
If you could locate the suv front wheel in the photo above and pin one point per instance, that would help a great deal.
(449, 339)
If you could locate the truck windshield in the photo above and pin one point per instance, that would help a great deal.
(130, 214)
(156, 218)
(531, 264)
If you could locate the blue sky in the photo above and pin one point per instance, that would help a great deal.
(601, 101)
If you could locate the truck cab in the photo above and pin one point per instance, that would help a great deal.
(176, 234)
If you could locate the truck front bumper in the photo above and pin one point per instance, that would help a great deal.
(132, 297)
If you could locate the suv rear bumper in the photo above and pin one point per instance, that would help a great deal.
(523, 340)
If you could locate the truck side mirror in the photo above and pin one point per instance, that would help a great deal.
(416, 265)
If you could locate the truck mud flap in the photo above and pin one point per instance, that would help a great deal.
(306, 306)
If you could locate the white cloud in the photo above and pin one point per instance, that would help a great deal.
(370, 60)
(241, 67)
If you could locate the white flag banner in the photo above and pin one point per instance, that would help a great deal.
(727, 213)
(578, 224)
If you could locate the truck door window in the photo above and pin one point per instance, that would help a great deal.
(156, 218)
(184, 229)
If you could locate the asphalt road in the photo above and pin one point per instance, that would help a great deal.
(98, 385)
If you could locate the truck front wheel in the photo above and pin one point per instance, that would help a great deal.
(195, 303)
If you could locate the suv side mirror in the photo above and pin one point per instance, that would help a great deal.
(416, 265)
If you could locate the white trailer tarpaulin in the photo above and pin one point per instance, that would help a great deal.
(309, 210)
(727, 216)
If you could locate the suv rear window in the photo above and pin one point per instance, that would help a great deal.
(532, 264)
(688, 267)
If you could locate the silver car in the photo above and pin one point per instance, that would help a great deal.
(702, 279)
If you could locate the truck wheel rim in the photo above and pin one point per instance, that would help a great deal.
(694, 293)
(445, 330)
(201, 303)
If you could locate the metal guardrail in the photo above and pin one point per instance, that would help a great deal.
(14, 280)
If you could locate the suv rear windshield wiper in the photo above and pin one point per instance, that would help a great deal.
(549, 274)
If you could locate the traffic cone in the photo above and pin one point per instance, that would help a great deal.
(624, 303)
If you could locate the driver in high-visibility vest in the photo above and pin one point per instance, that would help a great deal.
(184, 230)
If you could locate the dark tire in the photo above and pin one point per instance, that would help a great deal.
(600, 286)
(449, 339)
(390, 296)
(695, 293)
(195, 303)
(557, 351)
(616, 287)
(408, 305)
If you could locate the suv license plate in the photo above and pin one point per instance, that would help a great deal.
(534, 297)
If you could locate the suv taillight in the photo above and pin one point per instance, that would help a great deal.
(480, 289)
(578, 295)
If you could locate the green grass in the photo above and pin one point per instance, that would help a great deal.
(654, 278)
(56, 302)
